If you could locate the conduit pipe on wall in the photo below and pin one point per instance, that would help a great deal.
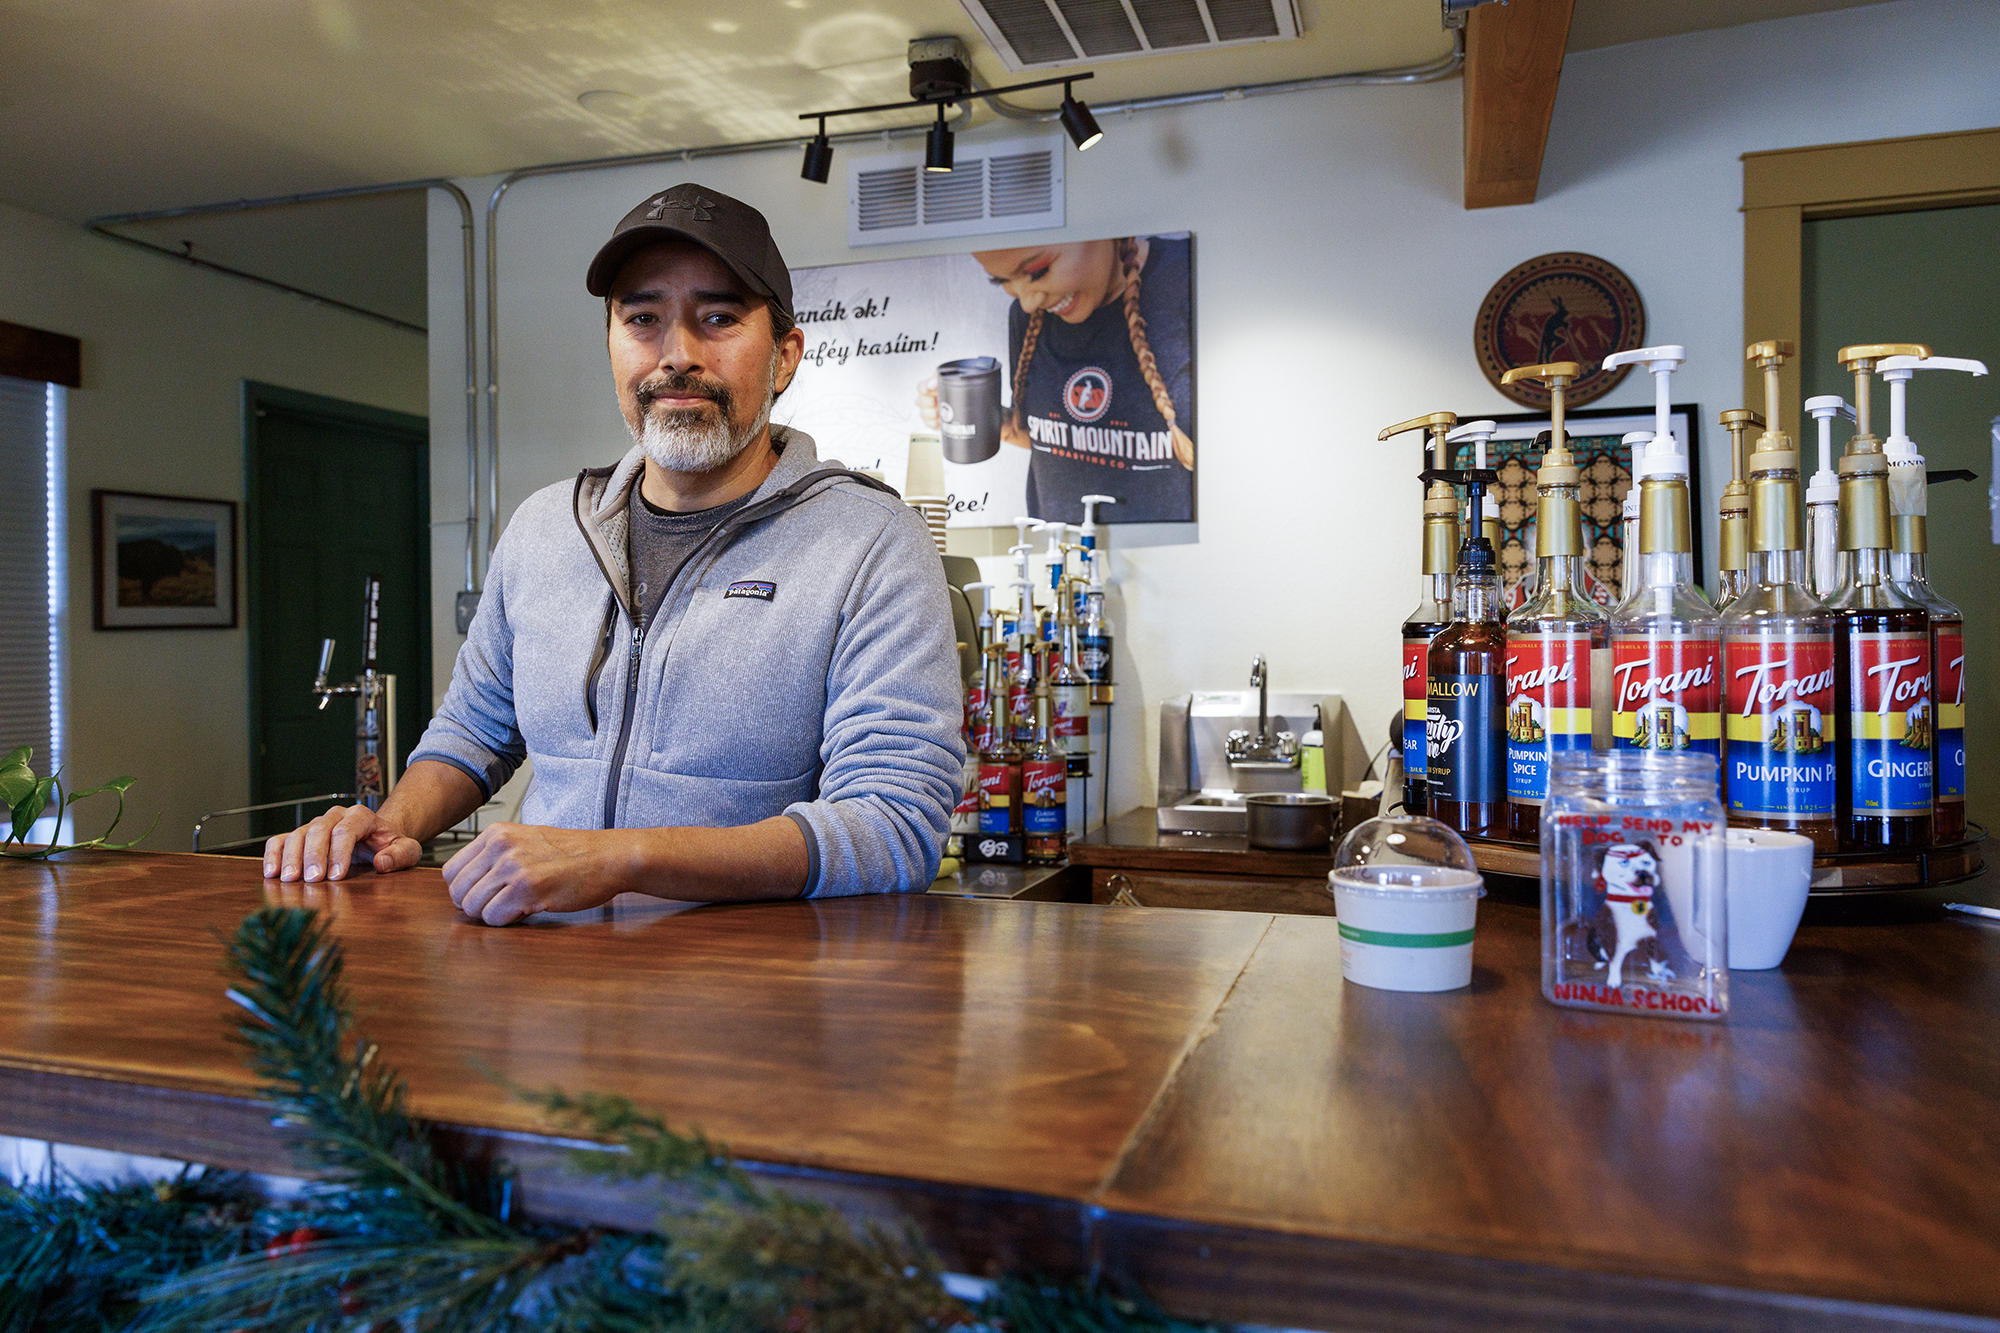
(102, 227)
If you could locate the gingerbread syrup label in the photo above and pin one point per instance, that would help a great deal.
(1548, 708)
(1044, 794)
(1890, 723)
(1666, 693)
(1950, 659)
(1778, 727)
(1416, 708)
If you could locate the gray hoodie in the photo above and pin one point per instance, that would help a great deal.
(802, 662)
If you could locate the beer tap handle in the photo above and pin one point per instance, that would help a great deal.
(325, 661)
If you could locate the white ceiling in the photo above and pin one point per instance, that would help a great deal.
(115, 106)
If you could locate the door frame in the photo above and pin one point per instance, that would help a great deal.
(256, 398)
(1786, 188)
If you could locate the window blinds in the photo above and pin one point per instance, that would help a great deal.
(27, 703)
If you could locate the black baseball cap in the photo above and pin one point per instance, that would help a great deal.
(735, 232)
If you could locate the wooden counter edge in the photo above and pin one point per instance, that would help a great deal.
(1191, 1268)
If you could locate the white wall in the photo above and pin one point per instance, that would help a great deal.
(166, 349)
(1337, 279)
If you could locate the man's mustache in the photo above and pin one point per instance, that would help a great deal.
(683, 386)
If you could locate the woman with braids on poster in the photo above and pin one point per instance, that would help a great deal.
(1100, 343)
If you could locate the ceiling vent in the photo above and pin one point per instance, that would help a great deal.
(1007, 185)
(1049, 34)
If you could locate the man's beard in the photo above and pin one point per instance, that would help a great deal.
(696, 439)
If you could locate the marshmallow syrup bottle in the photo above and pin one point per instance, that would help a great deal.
(1778, 653)
(1733, 543)
(1666, 691)
(1883, 655)
(1433, 611)
(1467, 680)
(1558, 641)
(1909, 509)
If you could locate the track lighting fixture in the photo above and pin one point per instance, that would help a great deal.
(819, 156)
(1076, 118)
(937, 145)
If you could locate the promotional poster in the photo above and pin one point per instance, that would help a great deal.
(1042, 373)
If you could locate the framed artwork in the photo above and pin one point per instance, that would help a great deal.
(1595, 436)
(162, 561)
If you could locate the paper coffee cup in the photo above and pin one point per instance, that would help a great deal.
(1406, 927)
(1770, 875)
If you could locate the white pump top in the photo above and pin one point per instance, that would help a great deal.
(1665, 455)
(1632, 439)
(985, 603)
(1091, 527)
(1906, 466)
(1479, 432)
(1824, 488)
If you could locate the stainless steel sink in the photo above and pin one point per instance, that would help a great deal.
(1205, 814)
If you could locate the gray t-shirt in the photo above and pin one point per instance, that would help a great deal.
(661, 541)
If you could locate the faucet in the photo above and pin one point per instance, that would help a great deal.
(1264, 749)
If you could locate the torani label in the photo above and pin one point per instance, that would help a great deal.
(996, 798)
(1416, 707)
(1890, 723)
(1044, 795)
(1666, 693)
(1950, 777)
(1778, 724)
(1466, 755)
(1548, 707)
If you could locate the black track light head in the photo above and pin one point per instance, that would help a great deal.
(1076, 118)
(819, 157)
(937, 145)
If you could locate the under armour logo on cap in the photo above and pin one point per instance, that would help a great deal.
(698, 207)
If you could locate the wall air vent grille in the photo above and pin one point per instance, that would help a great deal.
(1051, 34)
(1008, 185)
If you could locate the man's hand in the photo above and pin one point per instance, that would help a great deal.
(344, 835)
(515, 870)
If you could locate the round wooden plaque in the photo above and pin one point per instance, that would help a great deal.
(1559, 307)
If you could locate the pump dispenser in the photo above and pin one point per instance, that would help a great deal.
(1558, 642)
(1021, 655)
(1478, 433)
(1433, 610)
(999, 758)
(1823, 500)
(1909, 506)
(1733, 536)
(1628, 519)
(1094, 635)
(1466, 684)
(1665, 646)
(1777, 652)
(1069, 687)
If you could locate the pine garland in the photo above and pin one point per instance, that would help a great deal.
(393, 1236)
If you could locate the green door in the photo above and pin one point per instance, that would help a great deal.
(1930, 277)
(336, 491)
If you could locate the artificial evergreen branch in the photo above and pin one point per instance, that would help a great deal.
(350, 1108)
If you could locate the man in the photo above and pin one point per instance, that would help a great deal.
(733, 667)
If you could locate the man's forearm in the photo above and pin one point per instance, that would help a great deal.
(430, 797)
(767, 859)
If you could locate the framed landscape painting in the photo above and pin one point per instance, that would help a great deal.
(162, 562)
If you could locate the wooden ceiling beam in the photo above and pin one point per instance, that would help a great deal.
(1513, 59)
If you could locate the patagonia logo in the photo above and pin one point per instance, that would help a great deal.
(762, 590)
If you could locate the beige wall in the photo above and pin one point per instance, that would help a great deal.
(166, 349)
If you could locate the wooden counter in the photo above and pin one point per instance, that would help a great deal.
(1192, 1099)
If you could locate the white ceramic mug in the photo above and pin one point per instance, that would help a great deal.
(1770, 874)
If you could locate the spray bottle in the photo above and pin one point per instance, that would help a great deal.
(1558, 642)
(1823, 561)
(1778, 652)
(1433, 611)
(1733, 540)
(1628, 519)
(1466, 682)
(1665, 638)
(1887, 791)
(1909, 507)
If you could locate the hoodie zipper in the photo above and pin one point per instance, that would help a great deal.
(625, 723)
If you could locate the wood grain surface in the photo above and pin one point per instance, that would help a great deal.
(1193, 1099)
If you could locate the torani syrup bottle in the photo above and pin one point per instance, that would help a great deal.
(999, 761)
(1467, 670)
(1777, 653)
(1045, 790)
(1433, 611)
(1733, 541)
(1556, 637)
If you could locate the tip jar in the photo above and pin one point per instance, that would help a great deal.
(1406, 894)
(1634, 866)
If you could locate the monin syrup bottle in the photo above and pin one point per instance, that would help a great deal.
(1777, 654)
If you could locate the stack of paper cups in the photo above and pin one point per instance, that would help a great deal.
(935, 509)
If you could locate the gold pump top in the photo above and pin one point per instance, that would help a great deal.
(1735, 506)
(1768, 356)
(1439, 421)
(1860, 361)
(1558, 466)
(1441, 500)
